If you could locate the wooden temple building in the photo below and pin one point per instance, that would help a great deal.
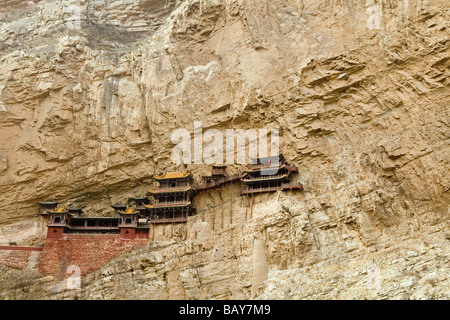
(269, 174)
(62, 220)
(218, 173)
(172, 200)
(139, 203)
(45, 206)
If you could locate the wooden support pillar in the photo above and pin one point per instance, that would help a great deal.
(222, 215)
(213, 219)
(164, 224)
(245, 208)
(186, 226)
(231, 203)
(251, 207)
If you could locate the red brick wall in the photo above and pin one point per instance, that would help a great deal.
(88, 252)
(54, 232)
(128, 233)
(16, 257)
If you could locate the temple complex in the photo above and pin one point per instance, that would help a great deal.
(75, 211)
(130, 226)
(62, 220)
(218, 173)
(139, 203)
(172, 200)
(269, 174)
(92, 241)
(122, 206)
(45, 206)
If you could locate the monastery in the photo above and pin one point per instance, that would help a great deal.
(90, 242)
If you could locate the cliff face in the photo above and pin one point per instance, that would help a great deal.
(91, 91)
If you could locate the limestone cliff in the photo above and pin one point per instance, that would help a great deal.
(90, 92)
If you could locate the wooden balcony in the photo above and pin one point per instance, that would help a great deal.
(169, 220)
(265, 166)
(170, 190)
(217, 183)
(52, 224)
(81, 228)
(218, 172)
(283, 187)
(261, 190)
(292, 186)
(265, 178)
(168, 204)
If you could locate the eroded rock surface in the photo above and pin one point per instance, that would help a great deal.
(90, 92)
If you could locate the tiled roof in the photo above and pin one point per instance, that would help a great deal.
(129, 211)
(173, 175)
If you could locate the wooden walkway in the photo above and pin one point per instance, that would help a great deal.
(219, 183)
(273, 189)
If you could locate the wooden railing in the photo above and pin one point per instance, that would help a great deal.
(292, 186)
(283, 186)
(57, 224)
(93, 228)
(268, 177)
(170, 204)
(217, 183)
(265, 189)
(169, 220)
(267, 165)
(186, 188)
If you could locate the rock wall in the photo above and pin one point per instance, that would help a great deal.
(359, 91)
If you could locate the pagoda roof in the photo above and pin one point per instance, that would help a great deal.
(48, 203)
(182, 205)
(129, 211)
(171, 190)
(74, 208)
(59, 210)
(119, 205)
(269, 168)
(173, 175)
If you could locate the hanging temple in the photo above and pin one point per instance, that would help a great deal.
(172, 202)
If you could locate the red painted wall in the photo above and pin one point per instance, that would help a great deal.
(128, 233)
(55, 232)
(88, 252)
